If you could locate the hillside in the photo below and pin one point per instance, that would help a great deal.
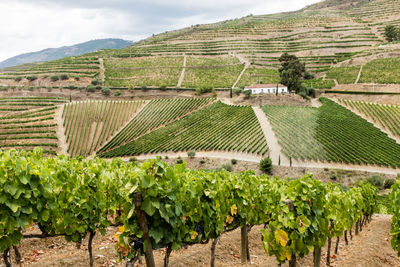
(65, 51)
(328, 36)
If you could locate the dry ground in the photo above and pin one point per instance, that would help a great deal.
(371, 248)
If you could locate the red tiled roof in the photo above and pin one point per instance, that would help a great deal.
(265, 86)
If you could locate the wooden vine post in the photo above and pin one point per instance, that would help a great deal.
(244, 240)
(141, 215)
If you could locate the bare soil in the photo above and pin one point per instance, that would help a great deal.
(371, 248)
(271, 99)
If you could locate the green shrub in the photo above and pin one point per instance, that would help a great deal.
(191, 154)
(96, 82)
(203, 89)
(117, 93)
(375, 180)
(202, 161)
(144, 88)
(77, 78)
(388, 183)
(166, 157)
(90, 89)
(179, 160)
(326, 169)
(163, 87)
(106, 91)
(227, 166)
(266, 165)
(132, 159)
(54, 78)
(333, 177)
(237, 91)
(18, 79)
(233, 161)
(64, 77)
(247, 94)
(31, 78)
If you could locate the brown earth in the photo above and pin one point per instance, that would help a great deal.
(371, 248)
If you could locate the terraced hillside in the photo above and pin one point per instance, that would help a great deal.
(89, 124)
(70, 70)
(217, 127)
(155, 114)
(28, 122)
(387, 116)
(326, 35)
(331, 133)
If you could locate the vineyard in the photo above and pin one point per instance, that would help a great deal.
(28, 122)
(62, 69)
(149, 71)
(156, 113)
(388, 117)
(331, 133)
(89, 124)
(168, 206)
(217, 127)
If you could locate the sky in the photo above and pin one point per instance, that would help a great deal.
(32, 25)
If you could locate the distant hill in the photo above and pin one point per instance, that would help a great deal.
(65, 51)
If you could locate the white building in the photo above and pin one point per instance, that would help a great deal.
(267, 89)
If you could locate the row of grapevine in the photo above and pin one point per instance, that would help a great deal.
(395, 231)
(331, 133)
(217, 127)
(157, 113)
(160, 205)
(387, 116)
(27, 122)
(295, 129)
(89, 124)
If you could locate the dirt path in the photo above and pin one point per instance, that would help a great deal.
(246, 65)
(203, 154)
(369, 120)
(315, 103)
(359, 74)
(371, 247)
(183, 72)
(62, 141)
(274, 147)
(102, 75)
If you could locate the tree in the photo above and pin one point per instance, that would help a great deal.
(391, 33)
(291, 72)
(266, 165)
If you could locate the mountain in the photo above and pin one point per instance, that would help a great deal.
(65, 51)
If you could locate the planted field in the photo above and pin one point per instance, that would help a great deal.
(344, 75)
(217, 127)
(149, 71)
(319, 83)
(157, 113)
(332, 133)
(217, 72)
(387, 116)
(29, 122)
(259, 75)
(72, 67)
(295, 128)
(89, 124)
(384, 70)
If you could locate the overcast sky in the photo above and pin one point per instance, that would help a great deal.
(32, 25)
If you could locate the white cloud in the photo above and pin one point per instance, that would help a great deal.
(31, 25)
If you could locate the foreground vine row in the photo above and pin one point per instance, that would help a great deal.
(168, 206)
